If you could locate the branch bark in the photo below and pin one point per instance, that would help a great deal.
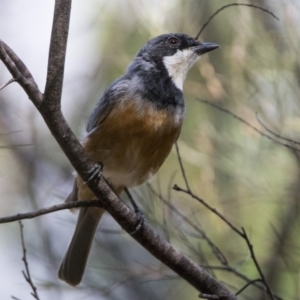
(49, 107)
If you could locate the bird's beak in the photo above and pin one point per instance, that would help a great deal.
(205, 47)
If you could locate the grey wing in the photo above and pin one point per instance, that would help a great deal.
(111, 96)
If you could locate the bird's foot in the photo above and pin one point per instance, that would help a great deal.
(140, 222)
(95, 172)
(140, 215)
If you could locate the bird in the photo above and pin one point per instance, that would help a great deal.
(132, 130)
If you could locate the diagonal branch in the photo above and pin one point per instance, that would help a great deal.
(212, 209)
(250, 246)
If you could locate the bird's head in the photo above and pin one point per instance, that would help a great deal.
(176, 53)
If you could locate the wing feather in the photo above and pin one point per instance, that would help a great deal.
(109, 99)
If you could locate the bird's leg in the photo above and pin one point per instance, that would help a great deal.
(140, 215)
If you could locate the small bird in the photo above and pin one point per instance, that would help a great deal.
(132, 130)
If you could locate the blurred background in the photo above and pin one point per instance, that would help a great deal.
(252, 180)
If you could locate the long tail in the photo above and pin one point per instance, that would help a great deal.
(73, 265)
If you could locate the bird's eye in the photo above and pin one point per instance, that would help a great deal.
(173, 41)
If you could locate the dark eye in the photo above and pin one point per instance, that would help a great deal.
(173, 41)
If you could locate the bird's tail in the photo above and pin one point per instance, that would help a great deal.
(73, 265)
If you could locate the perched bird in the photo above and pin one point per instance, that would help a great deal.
(132, 130)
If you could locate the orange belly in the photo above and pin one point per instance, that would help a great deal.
(133, 141)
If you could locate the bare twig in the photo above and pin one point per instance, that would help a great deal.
(20, 73)
(212, 209)
(7, 83)
(250, 246)
(248, 124)
(230, 5)
(246, 285)
(241, 276)
(219, 255)
(241, 233)
(44, 211)
(182, 168)
(276, 134)
(26, 273)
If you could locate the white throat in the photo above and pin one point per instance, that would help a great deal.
(179, 64)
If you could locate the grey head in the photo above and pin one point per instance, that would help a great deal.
(174, 52)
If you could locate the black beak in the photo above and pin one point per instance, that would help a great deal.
(205, 47)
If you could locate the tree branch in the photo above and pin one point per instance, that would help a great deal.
(48, 210)
(50, 110)
(57, 53)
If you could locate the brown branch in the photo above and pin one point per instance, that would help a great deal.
(50, 110)
(51, 209)
(230, 5)
(57, 53)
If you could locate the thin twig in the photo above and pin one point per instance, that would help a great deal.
(26, 273)
(7, 83)
(246, 285)
(229, 5)
(262, 276)
(44, 211)
(274, 133)
(233, 227)
(21, 73)
(182, 168)
(219, 255)
(240, 275)
(247, 123)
